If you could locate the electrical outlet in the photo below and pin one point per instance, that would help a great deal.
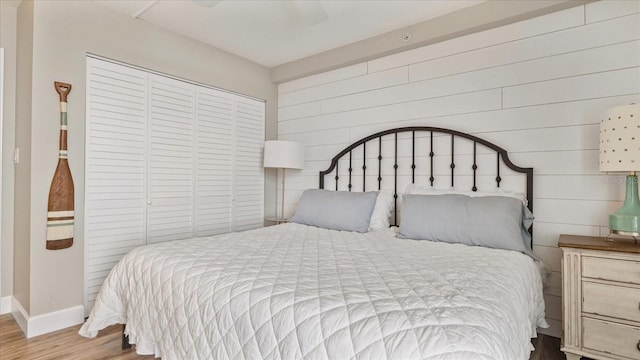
(16, 156)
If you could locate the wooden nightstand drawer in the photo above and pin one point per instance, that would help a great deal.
(611, 269)
(613, 301)
(617, 339)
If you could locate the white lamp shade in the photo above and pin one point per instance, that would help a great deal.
(620, 139)
(283, 154)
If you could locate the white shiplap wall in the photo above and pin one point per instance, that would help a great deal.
(535, 87)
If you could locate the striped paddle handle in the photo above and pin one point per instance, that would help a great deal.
(60, 213)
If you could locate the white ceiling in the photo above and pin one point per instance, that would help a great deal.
(274, 32)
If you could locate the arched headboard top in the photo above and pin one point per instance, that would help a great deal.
(375, 142)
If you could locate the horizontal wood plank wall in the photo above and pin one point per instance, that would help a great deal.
(536, 88)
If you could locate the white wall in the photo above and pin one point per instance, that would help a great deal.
(536, 88)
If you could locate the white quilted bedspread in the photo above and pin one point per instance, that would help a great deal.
(293, 291)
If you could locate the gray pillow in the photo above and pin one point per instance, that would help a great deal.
(490, 221)
(335, 210)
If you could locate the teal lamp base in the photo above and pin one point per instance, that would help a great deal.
(626, 221)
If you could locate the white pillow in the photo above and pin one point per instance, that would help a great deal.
(382, 211)
(424, 189)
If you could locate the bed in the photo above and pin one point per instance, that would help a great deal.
(315, 289)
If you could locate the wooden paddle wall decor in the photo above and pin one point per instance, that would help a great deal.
(60, 209)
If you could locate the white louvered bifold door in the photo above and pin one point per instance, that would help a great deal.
(248, 171)
(165, 160)
(114, 169)
(170, 200)
(214, 178)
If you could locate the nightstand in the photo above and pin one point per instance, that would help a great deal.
(600, 298)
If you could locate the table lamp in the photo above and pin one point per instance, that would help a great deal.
(620, 152)
(281, 154)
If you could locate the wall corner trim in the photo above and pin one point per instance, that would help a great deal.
(19, 314)
(45, 323)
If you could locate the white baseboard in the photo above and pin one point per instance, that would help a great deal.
(33, 326)
(56, 320)
(5, 304)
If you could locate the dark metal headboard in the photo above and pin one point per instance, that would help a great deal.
(501, 154)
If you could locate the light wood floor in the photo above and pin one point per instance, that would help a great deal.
(63, 344)
(68, 345)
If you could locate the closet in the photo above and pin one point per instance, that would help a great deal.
(165, 159)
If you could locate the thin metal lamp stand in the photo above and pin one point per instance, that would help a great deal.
(281, 218)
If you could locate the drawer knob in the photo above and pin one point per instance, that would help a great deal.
(638, 345)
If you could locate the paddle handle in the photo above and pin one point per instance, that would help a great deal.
(63, 89)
